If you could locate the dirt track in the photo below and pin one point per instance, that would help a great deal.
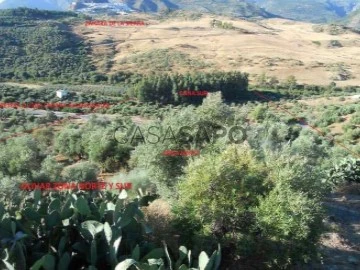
(341, 248)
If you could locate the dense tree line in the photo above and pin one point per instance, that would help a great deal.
(12, 16)
(161, 88)
(291, 88)
(165, 88)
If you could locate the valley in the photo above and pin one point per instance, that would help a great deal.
(276, 47)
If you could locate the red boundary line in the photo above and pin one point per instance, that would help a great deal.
(51, 123)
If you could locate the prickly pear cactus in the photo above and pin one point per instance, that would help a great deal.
(84, 230)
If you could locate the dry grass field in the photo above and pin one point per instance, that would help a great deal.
(277, 47)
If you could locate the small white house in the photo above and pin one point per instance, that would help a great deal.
(61, 93)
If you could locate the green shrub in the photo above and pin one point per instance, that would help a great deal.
(81, 172)
(301, 172)
(19, 156)
(231, 198)
(330, 116)
(259, 113)
(290, 83)
(355, 119)
(68, 142)
(355, 134)
(217, 193)
(334, 44)
(291, 223)
(51, 169)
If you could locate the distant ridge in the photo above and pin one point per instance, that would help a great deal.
(151, 5)
(238, 8)
(354, 19)
(39, 4)
(318, 11)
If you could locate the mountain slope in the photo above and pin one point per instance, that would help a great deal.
(150, 5)
(37, 44)
(354, 19)
(318, 11)
(40, 4)
(227, 7)
(309, 10)
(240, 8)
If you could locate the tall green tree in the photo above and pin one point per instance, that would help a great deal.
(68, 142)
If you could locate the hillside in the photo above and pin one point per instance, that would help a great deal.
(40, 4)
(41, 45)
(240, 8)
(354, 19)
(179, 42)
(318, 11)
(315, 54)
(230, 7)
(151, 5)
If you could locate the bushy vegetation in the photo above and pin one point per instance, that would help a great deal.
(277, 169)
(47, 94)
(163, 60)
(332, 29)
(287, 239)
(160, 88)
(221, 24)
(13, 121)
(334, 44)
(258, 196)
(290, 88)
(37, 45)
(254, 216)
(278, 159)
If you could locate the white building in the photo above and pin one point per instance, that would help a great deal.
(61, 93)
